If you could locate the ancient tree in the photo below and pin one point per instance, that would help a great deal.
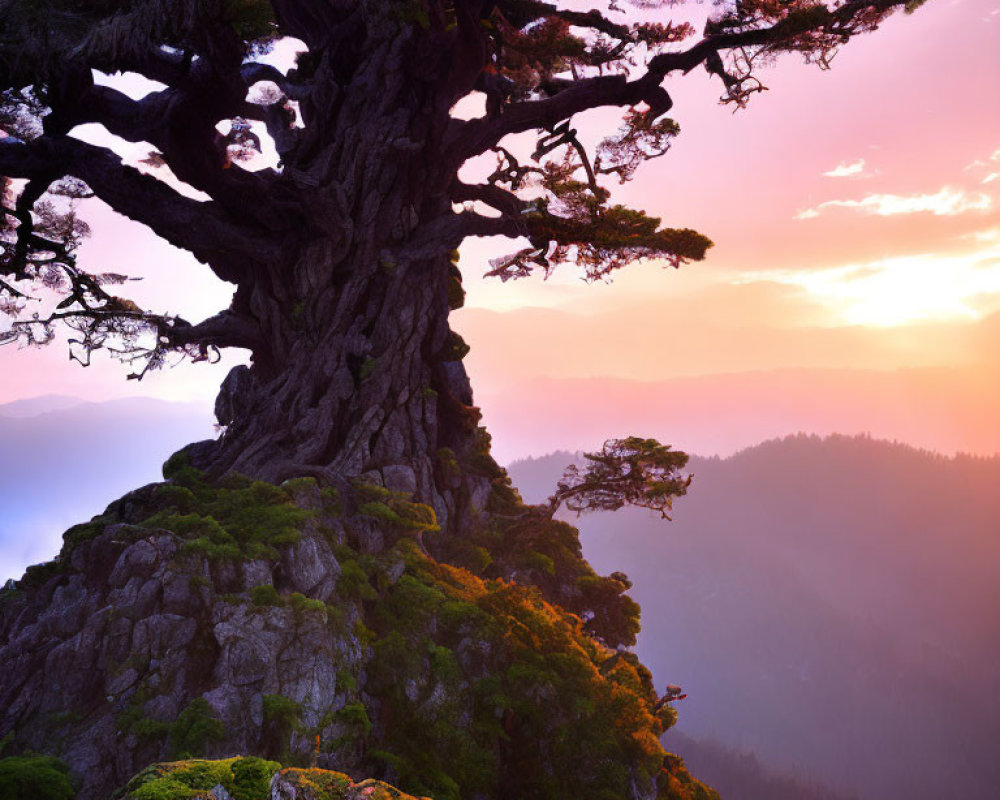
(341, 252)
(276, 596)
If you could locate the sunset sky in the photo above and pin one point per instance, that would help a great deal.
(854, 284)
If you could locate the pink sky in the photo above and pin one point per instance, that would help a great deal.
(857, 225)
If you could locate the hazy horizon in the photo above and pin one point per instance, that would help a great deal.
(91, 446)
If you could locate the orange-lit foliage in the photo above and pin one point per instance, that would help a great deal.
(554, 713)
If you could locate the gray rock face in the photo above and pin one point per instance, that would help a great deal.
(101, 660)
(368, 534)
(219, 793)
(400, 478)
(311, 568)
(283, 789)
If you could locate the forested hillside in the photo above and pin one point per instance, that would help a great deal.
(826, 603)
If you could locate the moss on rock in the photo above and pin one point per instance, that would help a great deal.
(250, 778)
(34, 777)
(493, 668)
(193, 779)
(229, 519)
(246, 779)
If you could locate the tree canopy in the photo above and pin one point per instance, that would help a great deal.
(537, 65)
(341, 241)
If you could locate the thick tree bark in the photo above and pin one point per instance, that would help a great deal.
(361, 378)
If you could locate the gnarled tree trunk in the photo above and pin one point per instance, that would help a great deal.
(363, 378)
(355, 371)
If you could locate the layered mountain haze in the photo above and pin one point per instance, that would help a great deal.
(65, 459)
(722, 366)
(949, 410)
(33, 406)
(828, 604)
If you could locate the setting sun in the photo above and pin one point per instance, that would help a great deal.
(903, 290)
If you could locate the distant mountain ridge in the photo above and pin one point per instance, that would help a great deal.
(947, 410)
(828, 603)
(33, 406)
(65, 459)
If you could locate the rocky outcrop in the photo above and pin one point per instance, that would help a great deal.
(250, 779)
(210, 620)
(138, 646)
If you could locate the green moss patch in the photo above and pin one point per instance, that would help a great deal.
(395, 508)
(195, 728)
(266, 595)
(233, 518)
(243, 778)
(36, 777)
(321, 784)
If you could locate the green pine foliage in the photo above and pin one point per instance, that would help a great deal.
(395, 508)
(567, 711)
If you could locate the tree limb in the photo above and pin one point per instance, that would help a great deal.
(474, 137)
(193, 151)
(503, 201)
(592, 19)
(224, 329)
(204, 229)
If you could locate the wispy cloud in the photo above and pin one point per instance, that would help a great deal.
(987, 235)
(854, 169)
(993, 158)
(947, 202)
